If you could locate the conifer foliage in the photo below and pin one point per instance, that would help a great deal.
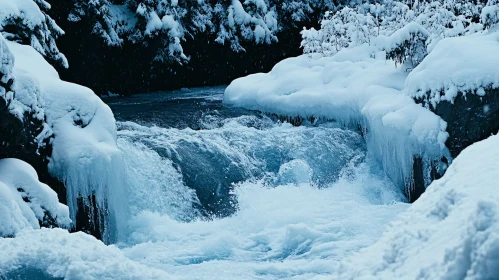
(28, 22)
(406, 30)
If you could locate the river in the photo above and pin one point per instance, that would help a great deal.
(215, 192)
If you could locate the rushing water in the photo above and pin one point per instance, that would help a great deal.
(226, 193)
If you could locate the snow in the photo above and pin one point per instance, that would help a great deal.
(60, 254)
(263, 21)
(24, 201)
(154, 23)
(490, 15)
(413, 33)
(441, 76)
(6, 67)
(450, 232)
(352, 88)
(12, 216)
(85, 155)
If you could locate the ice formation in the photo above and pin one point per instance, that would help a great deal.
(353, 88)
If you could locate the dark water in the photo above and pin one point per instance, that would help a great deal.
(192, 108)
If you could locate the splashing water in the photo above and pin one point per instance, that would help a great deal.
(238, 196)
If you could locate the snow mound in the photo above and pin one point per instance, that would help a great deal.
(24, 201)
(356, 86)
(461, 64)
(456, 219)
(70, 256)
(85, 155)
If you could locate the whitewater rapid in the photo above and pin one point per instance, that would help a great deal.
(217, 193)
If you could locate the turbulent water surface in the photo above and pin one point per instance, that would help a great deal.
(225, 193)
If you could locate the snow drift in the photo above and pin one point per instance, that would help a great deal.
(451, 232)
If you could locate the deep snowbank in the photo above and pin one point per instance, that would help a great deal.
(356, 86)
(25, 203)
(451, 232)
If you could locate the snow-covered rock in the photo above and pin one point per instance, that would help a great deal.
(84, 153)
(25, 134)
(49, 118)
(459, 81)
(456, 65)
(451, 232)
(25, 202)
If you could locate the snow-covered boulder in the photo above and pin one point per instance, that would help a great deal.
(65, 131)
(84, 152)
(459, 81)
(451, 232)
(25, 202)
